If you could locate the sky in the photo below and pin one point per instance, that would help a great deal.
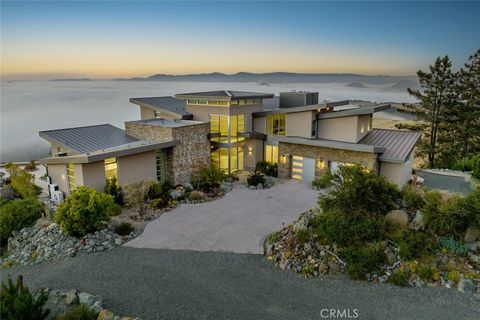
(111, 39)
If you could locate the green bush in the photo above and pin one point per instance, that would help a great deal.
(79, 312)
(273, 237)
(18, 214)
(446, 216)
(472, 207)
(471, 164)
(197, 195)
(399, 278)
(456, 247)
(414, 244)
(347, 229)
(267, 168)
(254, 178)
(31, 166)
(136, 193)
(114, 210)
(124, 229)
(362, 260)
(426, 273)
(210, 177)
(302, 236)
(353, 188)
(323, 181)
(17, 303)
(83, 211)
(112, 188)
(23, 183)
(413, 199)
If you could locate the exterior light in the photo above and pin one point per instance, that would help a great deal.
(250, 149)
(283, 158)
(63, 176)
(321, 164)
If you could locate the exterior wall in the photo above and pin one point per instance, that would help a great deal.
(369, 160)
(260, 124)
(136, 167)
(94, 175)
(58, 173)
(247, 111)
(398, 173)
(340, 129)
(256, 154)
(299, 124)
(201, 113)
(364, 124)
(146, 113)
(191, 155)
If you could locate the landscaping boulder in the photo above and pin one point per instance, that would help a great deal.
(106, 314)
(71, 297)
(398, 218)
(418, 221)
(466, 286)
(472, 234)
(87, 298)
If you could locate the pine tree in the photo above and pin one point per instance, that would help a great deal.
(437, 95)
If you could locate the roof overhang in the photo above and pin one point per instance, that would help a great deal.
(110, 153)
(353, 112)
(157, 108)
(331, 144)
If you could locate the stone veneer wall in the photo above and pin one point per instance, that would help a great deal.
(369, 160)
(190, 156)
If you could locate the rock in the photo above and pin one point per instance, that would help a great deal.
(398, 218)
(252, 187)
(390, 255)
(71, 297)
(259, 186)
(106, 314)
(418, 221)
(472, 234)
(474, 246)
(87, 298)
(474, 258)
(466, 286)
(118, 241)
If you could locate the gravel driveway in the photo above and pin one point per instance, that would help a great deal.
(170, 284)
(238, 222)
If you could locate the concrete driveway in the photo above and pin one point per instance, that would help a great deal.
(238, 222)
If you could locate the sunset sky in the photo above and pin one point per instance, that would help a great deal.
(43, 40)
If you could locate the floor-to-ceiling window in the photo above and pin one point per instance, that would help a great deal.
(161, 159)
(71, 176)
(220, 158)
(111, 168)
(271, 153)
(276, 124)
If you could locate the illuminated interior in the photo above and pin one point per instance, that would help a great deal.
(71, 176)
(111, 168)
(271, 153)
(276, 124)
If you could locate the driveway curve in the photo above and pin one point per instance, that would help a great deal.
(237, 222)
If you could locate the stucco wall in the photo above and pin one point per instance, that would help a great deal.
(299, 124)
(136, 167)
(369, 160)
(146, 113)
(364, 122)
(191, 155)
(251, 159)
(201, 113)
(58, 173)
(397, 173)
(340, 129)
(259, 124)
(94, 175)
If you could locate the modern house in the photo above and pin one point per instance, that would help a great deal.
(234, 130)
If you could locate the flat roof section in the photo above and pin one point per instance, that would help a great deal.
(167, 123)
(224, 95)
(398, 144)
(89, 138)
(331, 144)
(168, 104)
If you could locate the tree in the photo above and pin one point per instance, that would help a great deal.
(438, 94)
(83, 211)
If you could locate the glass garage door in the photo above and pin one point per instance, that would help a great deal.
(303, 169)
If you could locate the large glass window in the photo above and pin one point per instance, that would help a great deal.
(71, 176)
(271, 153)
(161, 157)
(111, 168)
(219, 158)
(219, 124)
(276, 124)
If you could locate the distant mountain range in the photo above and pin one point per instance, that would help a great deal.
(278, 77)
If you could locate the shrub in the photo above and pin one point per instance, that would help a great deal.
(323, 181)
(31, 166)
(413, 199)
(426, 273)
(453, 275)
(124, 229)
(353, 188)
(112, 188)
(114, 210)
(362, 260)
(267, 168)
(456, 247)
(197, 195)
(79, 312)
(23, 183)
(472, 207)
(273, 237)
(445, 216)
(154, 191)
(16, 302)
(347, 229)
(302, 236)
(471, 164)
(399, 278)
(254, 178)
(18, 214)
(231, 177)
(83, 211)
(136, 194)
(414, 244)
(210, 177)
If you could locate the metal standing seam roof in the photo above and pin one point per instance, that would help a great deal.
(398, 144)
(225, 94)
(89, 138)
(163, 103)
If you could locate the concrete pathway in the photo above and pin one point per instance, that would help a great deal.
(451, 181)
(236, 223)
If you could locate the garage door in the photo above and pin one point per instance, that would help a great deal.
(303, 168)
